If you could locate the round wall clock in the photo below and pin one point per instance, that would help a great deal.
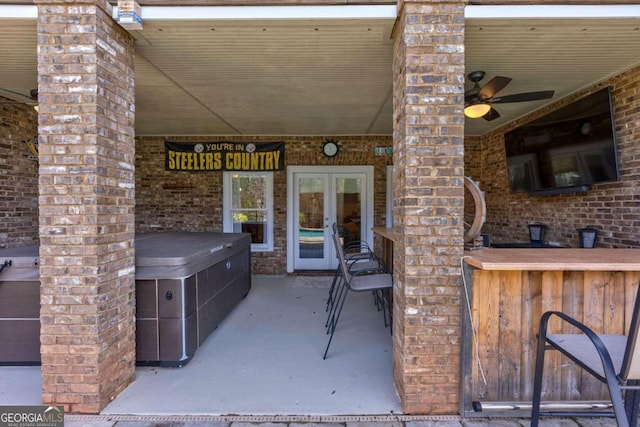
(330, 148)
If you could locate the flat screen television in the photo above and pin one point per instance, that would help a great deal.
(565, 151)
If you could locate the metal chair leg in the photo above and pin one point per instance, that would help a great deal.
(341, 289)
(386, 308)
(616, 399)
(334, 321)
(537, 382)
(332, 288)
(632, 403)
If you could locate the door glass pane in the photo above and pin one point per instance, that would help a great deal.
(311, 217)
(349, 208)
(248, 206)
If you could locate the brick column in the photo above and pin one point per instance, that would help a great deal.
(428, 203)
(86, 197)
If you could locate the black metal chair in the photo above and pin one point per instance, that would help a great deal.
(376, 280)
(611, 358)
(355, 252)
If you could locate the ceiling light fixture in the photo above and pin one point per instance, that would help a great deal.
(475, 111)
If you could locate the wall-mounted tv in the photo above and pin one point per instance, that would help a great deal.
(565, 151)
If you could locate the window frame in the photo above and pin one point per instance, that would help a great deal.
(227, 206)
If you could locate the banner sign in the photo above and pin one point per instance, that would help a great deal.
(223, 156)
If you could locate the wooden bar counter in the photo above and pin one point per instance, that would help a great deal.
(508, 290)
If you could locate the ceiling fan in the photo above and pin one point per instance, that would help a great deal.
(31, 99)
(478, 100)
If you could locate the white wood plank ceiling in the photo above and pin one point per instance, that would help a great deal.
(328, 76)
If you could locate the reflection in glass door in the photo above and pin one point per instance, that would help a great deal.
(311, 201)
(318, 199)
(348, 207)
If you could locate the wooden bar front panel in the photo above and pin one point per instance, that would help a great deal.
(506, 308)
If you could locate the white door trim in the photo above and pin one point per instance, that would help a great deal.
(367, 218)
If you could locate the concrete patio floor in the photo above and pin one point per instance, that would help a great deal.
(263, 366)
(265, 358)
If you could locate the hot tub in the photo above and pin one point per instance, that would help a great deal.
(186, 283)
(20, 306)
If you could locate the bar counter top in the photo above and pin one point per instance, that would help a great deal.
(565, 259)
(386, 232)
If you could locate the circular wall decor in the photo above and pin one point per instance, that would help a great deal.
(330, 148)
(480, 210)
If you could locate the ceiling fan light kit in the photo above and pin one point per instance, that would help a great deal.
(478, 100)
(475, 111)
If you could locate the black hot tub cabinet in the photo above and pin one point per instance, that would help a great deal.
(186, 283)
(20, 306)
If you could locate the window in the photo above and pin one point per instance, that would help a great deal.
(248, 206)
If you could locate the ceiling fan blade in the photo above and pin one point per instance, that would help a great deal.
(492, 87)
(491, 115)
(523, 97)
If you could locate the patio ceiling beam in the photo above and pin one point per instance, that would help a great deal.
(12, 11)
(234, 12)
(552, 11)
(354, 12)
(150, 13)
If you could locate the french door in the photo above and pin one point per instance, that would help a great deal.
(318, 197)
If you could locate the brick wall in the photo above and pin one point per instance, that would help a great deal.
(611, 208)
(86, 188)
(182, 201)
(428, 204)
(18, 176)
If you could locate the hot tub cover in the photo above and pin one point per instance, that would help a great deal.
(174, 255)
(181, 254)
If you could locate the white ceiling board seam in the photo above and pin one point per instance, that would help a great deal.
(380, 110)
